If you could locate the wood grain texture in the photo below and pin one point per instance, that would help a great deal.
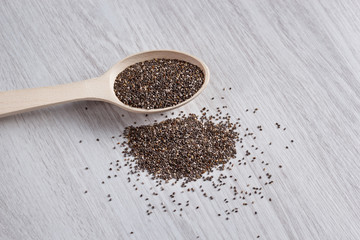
(297, 61)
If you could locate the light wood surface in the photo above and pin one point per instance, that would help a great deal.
(100, 88)
(297, 61)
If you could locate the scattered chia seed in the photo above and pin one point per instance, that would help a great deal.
(188, 148)
(158, 83)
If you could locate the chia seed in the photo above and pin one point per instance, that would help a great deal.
(158, 83)
(183, 147)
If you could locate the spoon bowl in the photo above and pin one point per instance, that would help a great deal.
(98, 89)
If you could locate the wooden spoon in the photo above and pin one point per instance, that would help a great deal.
(98, 89)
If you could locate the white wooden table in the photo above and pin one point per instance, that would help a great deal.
(297, 61)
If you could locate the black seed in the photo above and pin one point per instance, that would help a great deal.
(175, 80)
(159, 148)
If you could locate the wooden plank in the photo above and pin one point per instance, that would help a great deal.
(297, 61)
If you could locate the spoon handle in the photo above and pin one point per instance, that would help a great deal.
(18, 101)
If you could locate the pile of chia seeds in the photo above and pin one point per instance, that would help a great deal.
(158, 83)
(182, 147)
